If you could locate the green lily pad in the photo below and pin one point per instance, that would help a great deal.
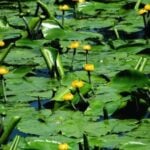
(129, 79)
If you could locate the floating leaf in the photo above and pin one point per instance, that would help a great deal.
(129, 79)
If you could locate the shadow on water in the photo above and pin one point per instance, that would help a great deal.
(39, 105)
(108, 33)
(17, 132)
(21, 134)
(42, 73)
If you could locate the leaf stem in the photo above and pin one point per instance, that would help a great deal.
(143, 64)
(116, 33)
(105, 113)
(15, 143)
(27, 26)
(44, 9)
(3, 89)
(89, 77)
(86, 142)
(86, 55)
(19, 6)
(74, 53)
(39, 103)
(136, 7)
(138, 63)
(145, 21)
(81, 96)
(63, 18)
(37, 10)
(12, 124)
(6, 53)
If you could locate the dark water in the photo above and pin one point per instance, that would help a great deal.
(42, 73)
(35, 104)
(17, 132)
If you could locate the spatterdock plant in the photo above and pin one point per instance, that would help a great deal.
(68, 97)
(2, 43)
(33, 26)
(63, 8)
(63, 146)
(77, 84)
(53, 61)
(76, 5)
(85, 145)
(89, 68)
(73, 45)
(145, 13)
(3, 71)
(147, 7)
(87, 48)
(46, 12)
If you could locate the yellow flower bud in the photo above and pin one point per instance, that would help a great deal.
(147, 7)
(77, 84)
(89, 67)
(2, 43)
(63, 146)
(81, 1)
(87, 47)
(64, 7)
(3, 70)
(68, 97)
(74, 44)
(142, 11)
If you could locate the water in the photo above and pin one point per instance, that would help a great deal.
(35, 104)
(17, 132)
(42, 73)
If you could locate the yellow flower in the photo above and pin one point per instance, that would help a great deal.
(147, 7)
(87, 47)
(2, 43)
(142, 11)
(89, 67)
(63, 146)
(77, 84)
(64, 7)
(68, 97)
(74, 44)
(3, 70)
(81, 1)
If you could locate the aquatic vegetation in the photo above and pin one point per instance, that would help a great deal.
(63, 146)
(74, 75)
(2, 43)
(68, 97)
(73, 45)
(77, 84)
(3, 71)
(87, 48)
(63, 8)
(146, 18)
(89, 68)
